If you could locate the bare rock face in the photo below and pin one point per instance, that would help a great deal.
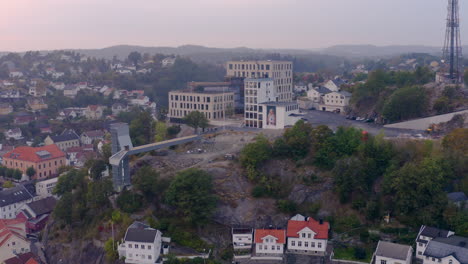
(76, 252)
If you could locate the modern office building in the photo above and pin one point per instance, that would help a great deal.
(214, 105)
(280, 71)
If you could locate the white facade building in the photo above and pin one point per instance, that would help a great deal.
(45, 188)
(12, 200)
(13, 239)
(335, 102)
(270, 241)
(141, 245)
(257, 91)
(242, 238)
(278, 115)
(307, 235)
(391, 253)
(449, 250)
(426, 234)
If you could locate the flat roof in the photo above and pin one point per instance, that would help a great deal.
(279, 103)
(202, 92)
(259, 61)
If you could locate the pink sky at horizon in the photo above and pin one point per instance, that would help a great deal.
(302, 24)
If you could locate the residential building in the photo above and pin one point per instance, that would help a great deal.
(242, 238)
(25, 258)
(66, 140)
(16, 74)
(213, 105)
(306, 235)
(300, 88)
(280, 71)
(36, 104)
(44, 188)
(12, 200)
(425, 235)
(117, 108)
(5, 109)
(45, 160)
(335, 102)
(270, 241)
(141, 244)
(13, 238)
(14, 133)
(38, 91)
(168, 62)
(316, 94)
(37, 213)
(70, 91)
(278, 115)
(229, 85)
(94, 112)
(392, 253)
(458, 198)
(88, 137)
(446, 250)
(335, 84)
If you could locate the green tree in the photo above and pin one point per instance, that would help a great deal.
(161, 131)
(191, 193)
(8, 184)
(196, 120)
(30, 172)
(134, 57)
(298, 138)
(63, 209)
(253, 154)
(129, 202)
(97, 168)
(406, 103)
(142, 129)
(146, 180)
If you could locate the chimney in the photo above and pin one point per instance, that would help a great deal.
(127, 148)
(321, 221)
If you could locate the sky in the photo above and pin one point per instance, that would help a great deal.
(298, 24)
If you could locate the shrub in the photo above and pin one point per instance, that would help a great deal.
(287, 206)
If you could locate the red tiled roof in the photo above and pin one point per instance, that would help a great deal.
(321, 230)
(7, 229)
(280, 234)
(30, 153)
(26, 258)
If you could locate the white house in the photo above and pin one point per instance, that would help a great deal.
(44, 188)
(334, 85)
(316, 94)
(141, 244)
(392, 253)
(13, 239)
(70, 91)
(58, 86)
(12, 200)
(426, 234)
(306, 235)
(242, 238)
(270, 241)
(167, 62)
(16, 74)
(118, 107)
(446, 250)
(335, 102)
(88, 137)
(14, 133)
(299, 88)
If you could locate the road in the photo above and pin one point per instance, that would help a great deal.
(332, 120)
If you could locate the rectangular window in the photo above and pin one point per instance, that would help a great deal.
(136, 245)
(306, 244)
(272, 247)
(142, 246)
(149, 247)
(299, 244)
(383, 262)
(278, 248)
(293, 243)
(303, 234)
(319, 245)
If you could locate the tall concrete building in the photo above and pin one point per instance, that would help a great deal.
(280, 71)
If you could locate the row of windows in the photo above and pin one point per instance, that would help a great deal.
(306, 244)
(333, 101)
(336, 96)
(292, 108)
(255, 66)
(130, 255)
(266, 247)
(256, 84)
(205, 99)
(139, 246)
(191, 106)
(183, 113)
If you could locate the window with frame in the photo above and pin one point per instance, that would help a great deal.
(319, 245)
(293, 243)
(383, 261)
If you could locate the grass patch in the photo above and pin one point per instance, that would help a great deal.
(353, 254)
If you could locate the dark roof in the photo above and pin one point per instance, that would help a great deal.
(94, 133)
(434, 232)
(139, 232)
(21, 259)
(14, 195)
(455, 246)
(457, 197)
(322, 90)
(67, 136)
(43, 206)
(392, 250)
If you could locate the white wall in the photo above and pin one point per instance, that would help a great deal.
(446, 260)
(10, 211)
(269, 248)
(245, 239)
(8, 250)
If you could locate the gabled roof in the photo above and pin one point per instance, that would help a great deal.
(139, 232)
(320, 230)
(94, 133)
(26, 258)
(455, 246)
(66, 136)
(14, 195)
(10, 228)
(43, 206)
(433, 232)
(35, 154)
(392, 250)
(457, 197)
(279, 234)
(322, 90)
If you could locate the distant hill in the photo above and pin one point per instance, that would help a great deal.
(371, 51)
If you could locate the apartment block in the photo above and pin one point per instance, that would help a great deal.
(280, 71)
(214, 105)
